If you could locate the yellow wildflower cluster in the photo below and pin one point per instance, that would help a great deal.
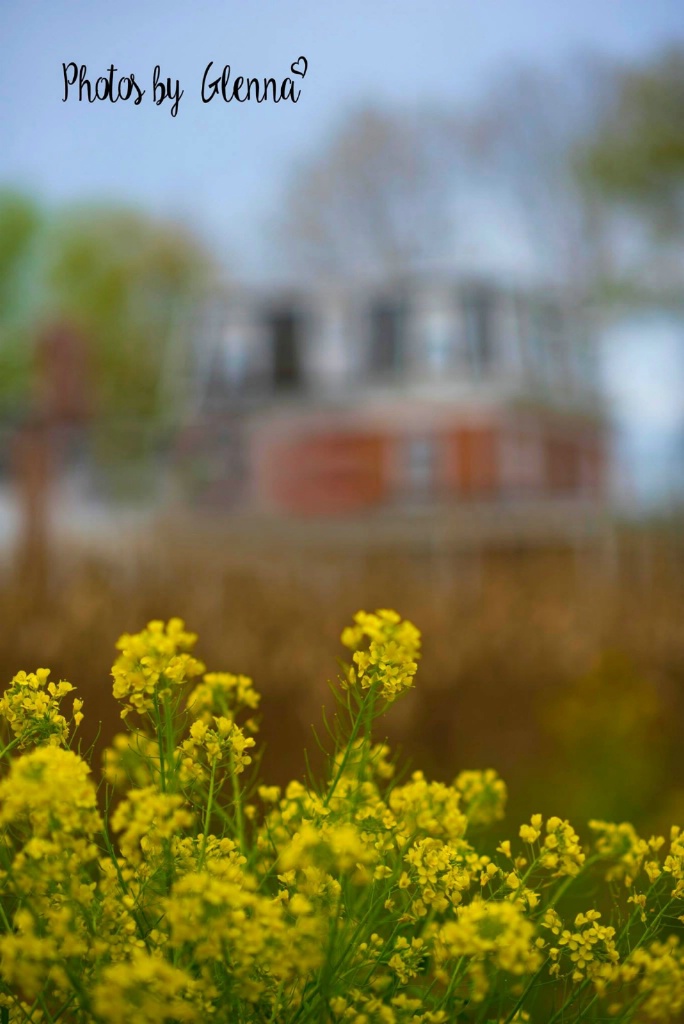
(429, 808)
(586, 947)
(440, 873)
(189, 893)
(49, 790)
(483, 796)
(363, 1008)
(334, 847)
(221, 693)
(152, 663)
(657, 974)
(147, 820)
(489, 936)
(132, 759)
(40, 949)
(622, 848)
(674, 861)
(226, 741)
(217, 918)
(390, 660)
(146, 989)
(31, 706)
(562, 852)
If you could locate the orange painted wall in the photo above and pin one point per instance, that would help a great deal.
(473, 461)
(327, 474)
(342, 472)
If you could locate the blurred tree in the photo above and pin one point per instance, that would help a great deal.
(392, 191)
(114, 277)
(20, 224)
(636, 159)
(379, 196)
(119, 278)
(522, 138)
(637, 153)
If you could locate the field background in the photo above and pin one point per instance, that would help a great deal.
(562, 669)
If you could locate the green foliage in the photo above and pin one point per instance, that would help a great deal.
(20, 225)
(117, 276)
(638, 153)
(121, 278)
(20, 222)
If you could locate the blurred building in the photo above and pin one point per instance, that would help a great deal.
(394, 396)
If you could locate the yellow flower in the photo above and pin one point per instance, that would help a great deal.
(624, 850)
(439, 872)
(338, 848)
(146, 989)
(221, 693)
(225, 742)
(490, 932)
(146, 820)
(36, 949)
(561, 850)
(483, 794)
(50, 788)
(530, 833)
(269, 794)
(584, 950)
(657, 974)
(429, 808)
(31, 706)
(152, 663)
(390, 660)
(217, 914)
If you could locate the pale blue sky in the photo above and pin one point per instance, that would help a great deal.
(221, 167)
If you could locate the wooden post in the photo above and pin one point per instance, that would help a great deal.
(61, 402)
(33, 467)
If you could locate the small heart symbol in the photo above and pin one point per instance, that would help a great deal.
(300, 66)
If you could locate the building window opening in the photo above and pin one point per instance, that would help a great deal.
(284, 330)
(543, 338)
(386, 341)
(478, 310)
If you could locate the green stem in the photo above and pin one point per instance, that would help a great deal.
(207, 815)
(169, 733)
(45, 1009)
(360, 720)
(563, 888)
(654, 924)
(526, 992)
(349, 948)
(10, 746)
(160, 743)
(568, 1002)
(5, 920)
(65, 1006)
(457, 975)
(239, 815)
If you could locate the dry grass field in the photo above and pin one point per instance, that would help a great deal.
(564, 670)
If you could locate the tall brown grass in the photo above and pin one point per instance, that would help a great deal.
(562, 669)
